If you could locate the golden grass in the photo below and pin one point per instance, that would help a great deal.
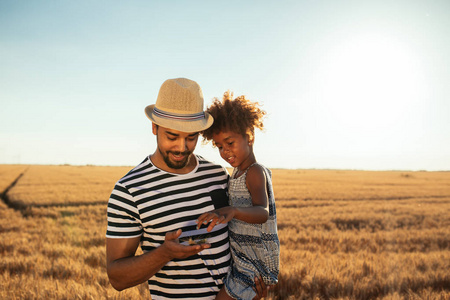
(343, 234)
(359, 185)
(56, 253)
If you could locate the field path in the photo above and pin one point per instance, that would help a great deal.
(4, 194)
(22, 206)
(60, 186)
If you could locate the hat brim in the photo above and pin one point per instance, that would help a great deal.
(179, 125)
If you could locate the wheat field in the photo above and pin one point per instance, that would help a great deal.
(343, 234)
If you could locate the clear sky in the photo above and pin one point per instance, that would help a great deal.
(346, 84)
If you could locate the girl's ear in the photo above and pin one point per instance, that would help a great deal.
(250, 138)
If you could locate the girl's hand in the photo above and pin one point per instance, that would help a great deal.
(216, 217)
(261, 289)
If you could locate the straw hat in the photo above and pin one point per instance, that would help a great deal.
(179, 106)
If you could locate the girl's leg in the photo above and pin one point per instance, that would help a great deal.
(222, 295)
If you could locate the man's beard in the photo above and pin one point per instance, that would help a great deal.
(176, 164)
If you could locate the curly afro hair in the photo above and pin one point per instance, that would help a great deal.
(238, 115)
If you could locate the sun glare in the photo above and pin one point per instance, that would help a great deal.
(370, 81)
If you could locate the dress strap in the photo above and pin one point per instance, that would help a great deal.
(255, 163)
(236, 171)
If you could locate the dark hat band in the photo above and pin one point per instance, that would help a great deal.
(174, 116)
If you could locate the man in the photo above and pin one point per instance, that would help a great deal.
(157, 204)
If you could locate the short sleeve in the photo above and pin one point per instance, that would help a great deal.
(123, 215)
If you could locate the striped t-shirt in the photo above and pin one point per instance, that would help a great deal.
(148, 202)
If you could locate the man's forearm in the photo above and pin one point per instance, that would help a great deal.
(127, 272)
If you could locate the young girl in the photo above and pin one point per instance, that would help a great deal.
(251, 215)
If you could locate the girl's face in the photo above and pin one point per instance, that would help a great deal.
(236, 149)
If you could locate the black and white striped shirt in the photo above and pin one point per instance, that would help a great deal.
(148, 202)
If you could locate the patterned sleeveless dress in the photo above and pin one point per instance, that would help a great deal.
(255, 248)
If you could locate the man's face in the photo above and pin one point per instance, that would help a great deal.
(175, 147)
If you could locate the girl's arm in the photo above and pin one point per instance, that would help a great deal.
(257, 186)
(256, 214)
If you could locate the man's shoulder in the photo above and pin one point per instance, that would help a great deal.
(204, 164)
(204, 161)
(145, 167)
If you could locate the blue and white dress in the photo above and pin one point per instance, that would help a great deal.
(255, 248)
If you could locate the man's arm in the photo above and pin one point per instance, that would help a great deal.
(126, 270)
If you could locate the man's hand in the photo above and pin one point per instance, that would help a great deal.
(173, 248)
